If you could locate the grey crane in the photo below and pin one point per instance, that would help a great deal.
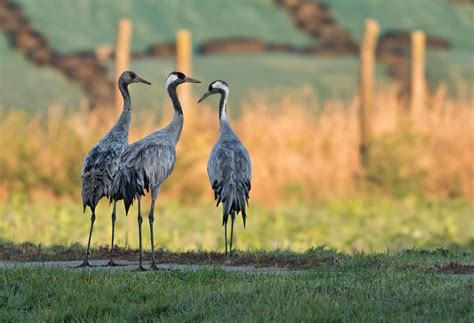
(145, 164)
(101, 162)
(229, 167)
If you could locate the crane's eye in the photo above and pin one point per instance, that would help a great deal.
(210, 87)
(133, 75)
(181, 75)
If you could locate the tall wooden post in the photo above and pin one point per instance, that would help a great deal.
(418, 82)
(122, 55)
(367, 66)
(183, 61)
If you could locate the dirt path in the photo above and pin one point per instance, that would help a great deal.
(129, 265)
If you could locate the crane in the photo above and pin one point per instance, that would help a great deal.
(101, 162)
(229, 167)
(145, 164)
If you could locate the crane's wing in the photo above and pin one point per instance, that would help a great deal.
(98, 170)
(102, 158)
(230, 172)
(143, 166)
(155, 160)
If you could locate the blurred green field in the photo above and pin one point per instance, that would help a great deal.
(26, 86)
(156, 21)
(347, 225)
(441, 18)
(271, 76)
(87, 24)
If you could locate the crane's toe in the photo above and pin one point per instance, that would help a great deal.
(112, 263)
(141, 268)
(84, 264)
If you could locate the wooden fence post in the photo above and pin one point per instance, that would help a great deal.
(367, 65)
(418, 82)
(122, 55)
(183, 61)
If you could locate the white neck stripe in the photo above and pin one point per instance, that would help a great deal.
(170, 79)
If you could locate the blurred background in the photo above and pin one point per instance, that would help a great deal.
(358, 116)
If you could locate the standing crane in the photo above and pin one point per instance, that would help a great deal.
(101, 162)
(145, 164)
(229, 167)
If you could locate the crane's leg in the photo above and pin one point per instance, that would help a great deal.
(231, 231)
(151, 219)
(225, 238)
(114, 217)
(86, 261)
(140, 221)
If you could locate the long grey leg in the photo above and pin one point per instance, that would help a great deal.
(225, 238)
(86, 260)
(231, 232)
(151, 219)
(114, 217)
(140, 221)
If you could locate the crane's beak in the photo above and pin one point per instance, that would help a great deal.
(205, 95)
(140, 80)
(190, 80)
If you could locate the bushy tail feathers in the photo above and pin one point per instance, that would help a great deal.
(127, 185)
(234, 195)
(94, 186)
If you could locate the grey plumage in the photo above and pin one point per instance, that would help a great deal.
(101, 162)
(145, 165)
(229, 171)
(229, 167)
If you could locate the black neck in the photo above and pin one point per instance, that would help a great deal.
(174, 98)
(123, 87)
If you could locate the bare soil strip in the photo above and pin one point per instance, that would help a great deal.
(129, 265)
(244, 261)
(31, 253)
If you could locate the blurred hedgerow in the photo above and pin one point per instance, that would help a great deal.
(300, 151)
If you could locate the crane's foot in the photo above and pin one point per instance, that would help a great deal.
(112, 263)
(155, 267)
(140, 268)
(84, 264)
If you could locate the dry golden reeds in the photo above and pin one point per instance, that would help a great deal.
(299, 153)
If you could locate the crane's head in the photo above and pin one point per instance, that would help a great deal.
(177, 78)
(216, 87)
(129, 77)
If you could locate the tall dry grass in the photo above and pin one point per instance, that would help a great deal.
(300, 151)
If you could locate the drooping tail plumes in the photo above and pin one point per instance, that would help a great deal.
(234, 195)
(95, 185)
(127, 185)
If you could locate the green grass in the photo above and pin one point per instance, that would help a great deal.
(33, 88)
(36, 89)
(86, 24)
(26, 86)
(436, 17)
(272, 76)
(454, 68)
(347, 225)
(378, 287)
